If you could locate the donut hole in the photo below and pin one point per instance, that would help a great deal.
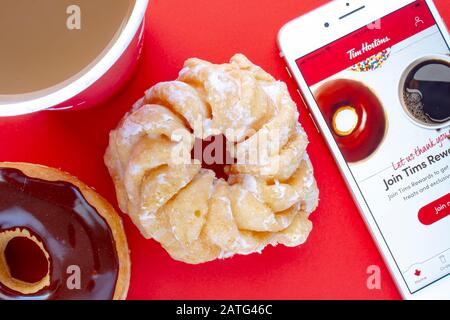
(26, 260)
(213, 154)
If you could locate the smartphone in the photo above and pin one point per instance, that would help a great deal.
(375, 77)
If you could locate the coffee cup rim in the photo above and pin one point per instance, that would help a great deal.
(403, 77)
(94, 72)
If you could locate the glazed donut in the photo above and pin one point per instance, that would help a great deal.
(194, 214)
(78, 234)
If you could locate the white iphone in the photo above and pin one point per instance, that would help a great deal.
(376, 78)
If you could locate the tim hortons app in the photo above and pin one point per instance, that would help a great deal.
(384, 93)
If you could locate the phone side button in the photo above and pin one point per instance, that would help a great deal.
(312, 119)
(303, 99)
(289, 73)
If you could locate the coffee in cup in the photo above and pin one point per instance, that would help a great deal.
(425, 91)
(67, 54)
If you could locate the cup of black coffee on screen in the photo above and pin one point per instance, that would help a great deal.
(425, 91)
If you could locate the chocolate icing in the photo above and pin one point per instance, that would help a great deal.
(71, 230)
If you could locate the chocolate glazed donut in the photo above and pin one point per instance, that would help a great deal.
(79, 235)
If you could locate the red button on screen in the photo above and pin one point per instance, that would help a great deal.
(435, 211)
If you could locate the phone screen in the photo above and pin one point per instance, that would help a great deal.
(384, 92)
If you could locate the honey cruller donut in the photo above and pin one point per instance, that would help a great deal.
(196, 216)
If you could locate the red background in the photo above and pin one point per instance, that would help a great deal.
(331, 265)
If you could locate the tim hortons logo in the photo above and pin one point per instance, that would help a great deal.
(366, 47)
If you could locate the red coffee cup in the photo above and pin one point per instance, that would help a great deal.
(95, 84)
